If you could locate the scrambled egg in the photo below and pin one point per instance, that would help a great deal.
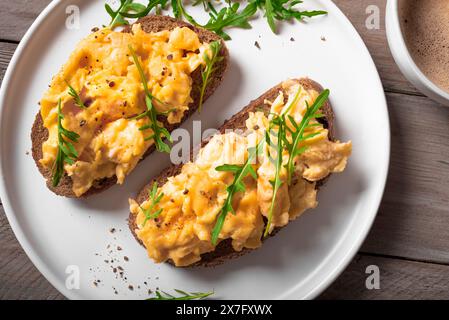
(102, 72)
(193, 199)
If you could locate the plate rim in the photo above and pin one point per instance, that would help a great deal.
(70, 294)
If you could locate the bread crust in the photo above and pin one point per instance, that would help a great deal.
(151, 23)
(224, 250)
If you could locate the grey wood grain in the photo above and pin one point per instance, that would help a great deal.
(413, 219)
(17, 16)
(6, 52)
(399, 279)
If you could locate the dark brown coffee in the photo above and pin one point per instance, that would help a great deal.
(425, 25)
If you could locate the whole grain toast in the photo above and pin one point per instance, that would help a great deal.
(152, 23)
(224, 250)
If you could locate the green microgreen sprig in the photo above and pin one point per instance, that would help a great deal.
(227, 17)
(132, 10)
(159, 131)
(154, 199)
(180, 12)
(277, 182)
(211, 65)
(298, 131)
(76, 97)
(240, 172)
(290, 144)
(66, 151)
(284, 10)
(205, 3)
(162, 295)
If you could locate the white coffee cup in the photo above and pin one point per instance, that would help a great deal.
(403, 58)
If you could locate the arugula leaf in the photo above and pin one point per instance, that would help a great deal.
(117, 18)
(179, 12)
(132, 10)
(162, 295)
(159, 132)
(210, 67)
(230, 17)
(297, 136)
(155, 199)
(276, 183)
(75, 96)
(206, 4)
(226, 17)
(240, 172)
(66, 151)
(284, 10)
(270, 15)
(298, 132)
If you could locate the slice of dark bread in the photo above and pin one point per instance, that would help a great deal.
(152, 23)
(224, 250)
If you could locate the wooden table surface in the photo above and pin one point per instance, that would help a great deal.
(409, 241)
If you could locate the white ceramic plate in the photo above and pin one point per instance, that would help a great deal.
(300, 262)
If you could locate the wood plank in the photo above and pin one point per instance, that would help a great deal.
(19, 278)
(376, 41)
(399, 279)
(414, 216)
(6, 52)
(17, 16)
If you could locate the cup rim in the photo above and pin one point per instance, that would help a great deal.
(420, 76)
